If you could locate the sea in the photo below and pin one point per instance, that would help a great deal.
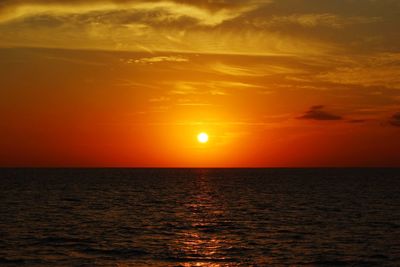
(199, 217)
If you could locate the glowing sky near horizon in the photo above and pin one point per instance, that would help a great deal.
(132, 83)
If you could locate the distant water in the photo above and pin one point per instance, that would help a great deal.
(199, 217)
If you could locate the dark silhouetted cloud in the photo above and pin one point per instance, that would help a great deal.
(318, 113)
(357, 121)
(395, 120)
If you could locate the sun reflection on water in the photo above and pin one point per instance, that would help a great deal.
(201, 242)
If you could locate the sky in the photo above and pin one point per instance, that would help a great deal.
(274, 83)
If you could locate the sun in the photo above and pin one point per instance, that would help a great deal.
(202, 137)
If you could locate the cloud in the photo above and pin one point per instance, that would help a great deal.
(313, 20)
(151, 60)
(159, 99)
(213, 88)
(208, 14)
(185, 26)
(366, 70)
(235, 70)
(357, 121)
(395, 120)
(318, 113)
(247, 27)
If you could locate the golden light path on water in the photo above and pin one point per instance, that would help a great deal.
(200, 243)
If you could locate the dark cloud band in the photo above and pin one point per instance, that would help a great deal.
(318, 113)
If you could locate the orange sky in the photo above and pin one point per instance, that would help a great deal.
(283, 83)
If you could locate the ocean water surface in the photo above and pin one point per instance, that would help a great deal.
(200, 217)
